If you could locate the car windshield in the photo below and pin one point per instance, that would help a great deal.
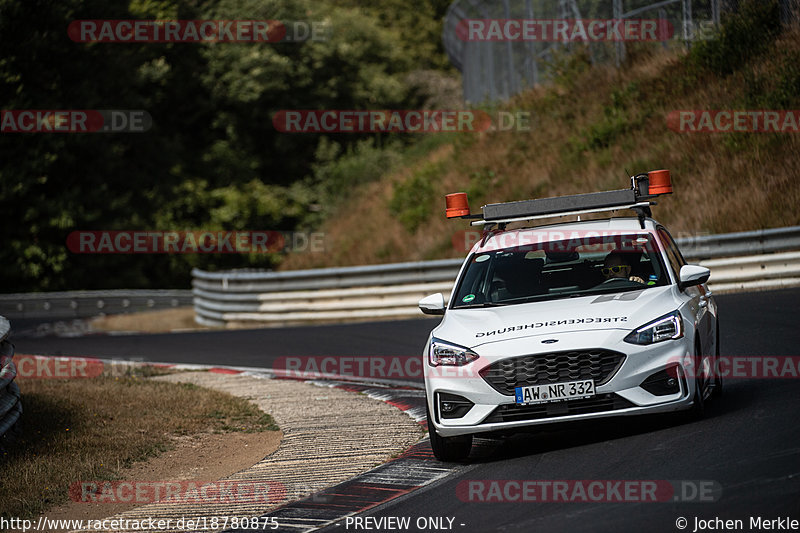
(561, 269)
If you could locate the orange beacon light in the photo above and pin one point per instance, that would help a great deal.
(457, 205)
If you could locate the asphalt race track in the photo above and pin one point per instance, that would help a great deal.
(256, 347)
(748, 446)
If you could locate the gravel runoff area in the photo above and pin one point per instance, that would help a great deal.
(330, 435)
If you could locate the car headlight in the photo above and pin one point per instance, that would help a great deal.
(445, 353)
(661, 329)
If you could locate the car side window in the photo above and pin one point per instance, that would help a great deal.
(674, 256)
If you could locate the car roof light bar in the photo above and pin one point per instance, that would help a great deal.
(636, 206)
(559, 204)
(644, 187)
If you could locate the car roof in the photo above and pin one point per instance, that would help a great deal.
(508, 238)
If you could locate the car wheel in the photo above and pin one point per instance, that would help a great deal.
(451, 449)
(698, 409)
(716, 389)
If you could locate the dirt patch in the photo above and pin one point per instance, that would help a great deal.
(205, 457)
(162, 321)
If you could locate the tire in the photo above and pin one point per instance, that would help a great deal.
(716, 389)
(698, 408)
(448, 449)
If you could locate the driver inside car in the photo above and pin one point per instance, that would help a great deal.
(616, 266)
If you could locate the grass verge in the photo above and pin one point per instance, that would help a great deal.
(161, 321)
(91, 429)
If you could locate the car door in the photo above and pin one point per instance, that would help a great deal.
(698, 295)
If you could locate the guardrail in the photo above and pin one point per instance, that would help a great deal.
(329, 294)
(738, 261)
(84, 304)
(737, 244)
(10, 404)
(382, 291)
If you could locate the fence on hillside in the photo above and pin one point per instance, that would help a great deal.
(495, 70)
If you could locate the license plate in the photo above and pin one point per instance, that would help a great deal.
(555, 392)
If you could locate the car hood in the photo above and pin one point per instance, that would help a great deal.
(624, 311)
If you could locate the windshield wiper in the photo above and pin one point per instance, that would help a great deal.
(484, 304)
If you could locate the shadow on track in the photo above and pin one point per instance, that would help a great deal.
(567, 435)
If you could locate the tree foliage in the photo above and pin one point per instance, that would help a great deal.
(212, 159)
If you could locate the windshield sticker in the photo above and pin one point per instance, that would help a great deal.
(468, 298)
(552, 323)
(482, 258)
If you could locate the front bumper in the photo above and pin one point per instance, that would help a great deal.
(621, 395)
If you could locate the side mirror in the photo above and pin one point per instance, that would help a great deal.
(433, 304)
(692, 275)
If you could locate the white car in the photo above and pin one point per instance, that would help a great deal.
(568, 322)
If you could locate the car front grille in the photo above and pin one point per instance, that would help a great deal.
(543, 369)
(518, 413)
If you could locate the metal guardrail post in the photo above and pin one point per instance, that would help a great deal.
(84, 304)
